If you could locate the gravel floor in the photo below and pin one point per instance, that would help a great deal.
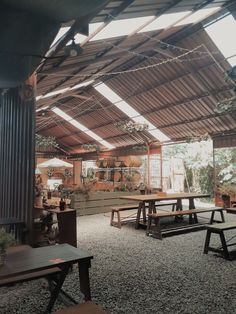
(132, 273)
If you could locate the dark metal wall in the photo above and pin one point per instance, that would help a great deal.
(17, 151)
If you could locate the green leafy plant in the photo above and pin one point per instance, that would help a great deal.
(46, 141)
(140, 148)
(226, 105)
(91, 147)
(68, 173)
(84, 188)
(50, 172)
(131, 127)
(6, 240)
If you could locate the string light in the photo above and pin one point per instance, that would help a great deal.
(169, 60)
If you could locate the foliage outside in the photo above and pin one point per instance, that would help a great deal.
(6, 240)
(225, 164)
(198, 162)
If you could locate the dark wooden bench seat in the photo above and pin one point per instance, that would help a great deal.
(83, 308)
(31, 276)
(231, 210)
(219, 229)
(117, 209)
(47, 273)
(192, 213)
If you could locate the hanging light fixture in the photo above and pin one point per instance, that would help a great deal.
(73, 50)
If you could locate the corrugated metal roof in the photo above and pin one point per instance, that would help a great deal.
(177, 97)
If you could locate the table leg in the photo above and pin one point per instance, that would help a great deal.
(152, 207)
(59, 283)
(192, 206)
(191, 203)
(179, 206)
(144, 213)
(84, 279)
(140, 206)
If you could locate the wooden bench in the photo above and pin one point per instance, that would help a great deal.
(83, 308)
(117, 209)
(231, 210)
(156, 217)
(47, 273)
(219, 229)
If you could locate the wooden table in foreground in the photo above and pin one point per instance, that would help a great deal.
(62, 256)
(152, 198)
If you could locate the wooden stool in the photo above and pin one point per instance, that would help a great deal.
(219, 229)
(116, 210)
(83, 308)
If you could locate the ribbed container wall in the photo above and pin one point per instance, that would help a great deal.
(17, 156)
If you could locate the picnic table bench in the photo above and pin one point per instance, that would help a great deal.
(156, 231)
(117, 209)
(219, 229)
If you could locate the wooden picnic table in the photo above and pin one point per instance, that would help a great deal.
(152, 198)
(35, 260)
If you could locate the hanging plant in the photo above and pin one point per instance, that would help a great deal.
(67, 173)
(46, 141)
(91, 147)
(140, 148)
(50, 172)
(227, 105)
(131, 127)
(198, 138)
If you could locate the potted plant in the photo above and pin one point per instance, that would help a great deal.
(6, 240)
(228, 192)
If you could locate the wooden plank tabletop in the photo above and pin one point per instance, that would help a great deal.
(168, 196)
(36, 259)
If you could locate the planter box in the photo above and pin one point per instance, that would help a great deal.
(98, 202)
(231, 202)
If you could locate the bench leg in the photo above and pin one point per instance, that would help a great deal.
(149, 224)
(224, 245)
(57, 288)
(173, 207)
(157, 229)
(112, 218)
(222, 215)
(212, 217)
(113, 222)
(207, 241)
(118, 220)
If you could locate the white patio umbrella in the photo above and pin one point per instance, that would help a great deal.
(55, 163)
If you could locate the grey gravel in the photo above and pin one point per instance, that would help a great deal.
(135, 274)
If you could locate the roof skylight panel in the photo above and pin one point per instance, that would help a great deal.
(133, 114)
(220, 34)
(81, 127)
